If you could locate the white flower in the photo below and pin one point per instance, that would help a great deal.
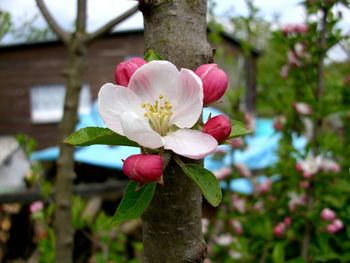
(157, 109)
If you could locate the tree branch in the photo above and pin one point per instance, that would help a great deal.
(108, 27)
(63, 35)
(81, 17)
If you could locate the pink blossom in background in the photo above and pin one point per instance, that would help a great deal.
(279, 122)
(279, 229)
(329, 165)
(250, 121)
(302, 108)
(335, 226)
(237, 226)
(243, 170)
(264, 187)
(296, 200)
(309, 166)
(237, 143)
(224, 240)
(36, 207)
(284, 71)
(238, 203)
(328, 214)
(331, 229)
(223, 173)
(147, 110)
(259, 206)
(287, 220)
(293, 59)
(301, 28)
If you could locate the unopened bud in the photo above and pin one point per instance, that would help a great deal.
(126, 69)
(143, 168)
(214, 80)
(219, 127)
(328, 214)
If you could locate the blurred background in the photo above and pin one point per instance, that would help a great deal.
(286, 186)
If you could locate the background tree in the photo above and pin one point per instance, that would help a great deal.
(77, 43)
(5, 23)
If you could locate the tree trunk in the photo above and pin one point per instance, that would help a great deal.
(65, 164)
(172, 223)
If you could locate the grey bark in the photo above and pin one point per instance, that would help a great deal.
(172, 223)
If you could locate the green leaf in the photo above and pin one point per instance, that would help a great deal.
(97, 135)
(134, 203)
(278, 253)
(206, 181)
(238, 129)
(152, 55)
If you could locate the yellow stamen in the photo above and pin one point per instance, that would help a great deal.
(158, 114)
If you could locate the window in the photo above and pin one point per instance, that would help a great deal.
(47, 102)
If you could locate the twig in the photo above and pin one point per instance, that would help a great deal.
(108, 27)
(56, 28)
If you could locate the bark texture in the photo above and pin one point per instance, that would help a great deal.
(172, 224)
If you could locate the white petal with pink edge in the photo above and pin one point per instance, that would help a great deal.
(114, 100)
(190, 143)
(154, 79)
(138, 130)
(188, 101)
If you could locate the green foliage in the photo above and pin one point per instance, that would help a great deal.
(96, 135)
(238, 129)
(151, 54)
(135, 201)
(206, 181)
(5, 23)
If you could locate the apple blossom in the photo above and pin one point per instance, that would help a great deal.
(264, 186)
(237, 226)
(331, 229)
(279, 229)
(143, 168)
(215, 82)
(238, 203)
(293, 59)
(36, 207)
(224, 240)
(219, 127)
(237, 143)
(287, 220)
(157, 109)
(302, 108)
(223, 173)
(310, 166)
(296, 200)
(126, 69)
(328, 214)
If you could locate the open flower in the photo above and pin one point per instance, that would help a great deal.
(157, 109)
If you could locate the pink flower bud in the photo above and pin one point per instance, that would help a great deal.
(287, 220)
(328, 214)
(264, 187)
(143, 168)
(279, 229)
(214, 80)
(237, 143)
(293, 59)
(237, 226)
(126, 69)
(219, 127)
(338, 224)
(298, 167)
(36, 207)
(331, 229)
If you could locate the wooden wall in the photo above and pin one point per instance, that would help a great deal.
(24, 66)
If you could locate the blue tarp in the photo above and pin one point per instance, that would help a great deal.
(260, 152)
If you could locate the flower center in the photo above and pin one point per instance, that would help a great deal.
(158, 114)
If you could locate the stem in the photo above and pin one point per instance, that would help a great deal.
(322, 45)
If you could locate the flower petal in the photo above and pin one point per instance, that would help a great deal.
(114, 100)
(154, 79)
(190, 143)
(187, 102)
(138, 130)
